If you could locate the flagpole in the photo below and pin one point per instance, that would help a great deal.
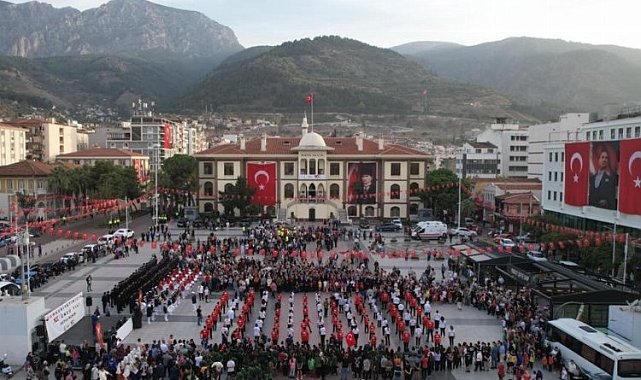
(312, 103)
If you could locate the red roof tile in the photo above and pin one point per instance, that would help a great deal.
(26, 169)
(100, 152)
(340, 145)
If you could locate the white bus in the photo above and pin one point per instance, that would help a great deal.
(598, 355)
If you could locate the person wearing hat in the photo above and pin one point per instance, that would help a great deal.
(365, 189)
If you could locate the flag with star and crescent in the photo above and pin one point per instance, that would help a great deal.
(577, 173)
(262, 177)
(630, 177)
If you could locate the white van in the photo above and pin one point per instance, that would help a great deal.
(430, 231)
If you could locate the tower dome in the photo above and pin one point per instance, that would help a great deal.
(312, 140)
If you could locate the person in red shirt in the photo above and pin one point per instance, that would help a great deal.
(204, 337)
(400, 326)
(425, 365)
(304, 337)
(501, 370)
(372, 340)
(275, 336)
(430, 329)
(437, 339)
(406, 340)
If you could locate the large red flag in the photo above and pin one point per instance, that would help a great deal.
(262, 177)
(309, 98)
(577, 173)
(630, 177)
(167, 136)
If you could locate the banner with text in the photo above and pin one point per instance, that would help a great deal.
(64, 316)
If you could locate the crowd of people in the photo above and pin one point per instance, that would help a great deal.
(370, 322)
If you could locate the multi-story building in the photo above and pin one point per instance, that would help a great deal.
(12, 144)
(592, 183)
(512, 142)
(565, 129)
(46, 139)
(311, 177)
(118, 157)
(504, 187)
(196, 140)
(478, 160)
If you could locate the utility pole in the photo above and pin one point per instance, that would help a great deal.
(126, 213)
(614, 246)
(625, 259)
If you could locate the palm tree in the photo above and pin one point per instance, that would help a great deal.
(59, 183)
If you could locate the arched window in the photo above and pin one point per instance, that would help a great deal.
(229, 187)
(321, 166)
(321, 191)
(334, 191)
(208, 189)
(395, 212)
(413, 209)
(351, 211)
(209, 207)
(303, 191)
(413, 189)
(312, 166)
(289, 191)
(303, 166)
(312, 190)
(369, 211)
(395, 192)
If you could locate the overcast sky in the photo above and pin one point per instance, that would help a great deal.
(387, 23)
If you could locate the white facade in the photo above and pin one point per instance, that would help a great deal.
(565, 129)
(478, 160)
(554, 167)
(512, 142)
(13, 146)
(59, 139)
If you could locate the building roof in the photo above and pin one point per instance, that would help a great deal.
(523, 198)
(519, 186)
(482, 145)
(101, 153)
(340, 145)
(312, 139)
(26, 168)
(10, 126)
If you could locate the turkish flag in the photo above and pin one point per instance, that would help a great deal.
(309, 98)
(262, 177)
(630, 177)
(167, 136)
(577, 173)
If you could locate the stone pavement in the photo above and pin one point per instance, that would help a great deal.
(471, 325)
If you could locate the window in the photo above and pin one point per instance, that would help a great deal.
(556, 176)
(369, 211)
(415, 168)
(321, 166)
(312, 166)
(303, 191)
(303, 167)
(334, 191)
(490, 150)
(561, 196)
(550, 158)
(208, 168)
(593, 135)
(556, 157)
(562, 156)
(228, 168)
(612, 134)
(587, 136)
(637, 131)
(478, 151)
(208, 189)
(289, 191)
(549, 194)
(320, 193)
(334, 168)
(562, 176)
(311, 192)
(413, 209)
(351, 211)
(395, 212)
(601, 134)
(620, 133)
(396, 168)
(395, 191)
(229, 188)
(289, 168)
(554, 196)
(628, 132)
(209, 207)
(413, 188)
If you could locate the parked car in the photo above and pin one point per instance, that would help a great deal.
(497, 238)
(507, 243)
(388, 227)
(92, 249)
(28, 275)
(463, 232)
(363, 224)
(68, 257)
(523, 238)
(105, 239)
(124, 232)
(430, 231)
(181, 223)
(9, 288)
(536, 256)
(398, 222)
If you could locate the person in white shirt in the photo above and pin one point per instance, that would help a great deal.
(256, 332)
(418, 333)
(231, 368)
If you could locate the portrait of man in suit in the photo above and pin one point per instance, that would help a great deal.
(603, 177)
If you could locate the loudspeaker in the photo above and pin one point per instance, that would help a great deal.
(89, 301)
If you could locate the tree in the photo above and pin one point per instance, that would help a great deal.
(179, 172)
(444, 193)
(238, 197)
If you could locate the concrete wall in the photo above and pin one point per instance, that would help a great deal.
(19, 320)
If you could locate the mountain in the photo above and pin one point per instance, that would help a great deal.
(135, 27)
(554, 74)
(423, 46)
(343, 74)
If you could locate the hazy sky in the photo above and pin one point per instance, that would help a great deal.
(387, 23)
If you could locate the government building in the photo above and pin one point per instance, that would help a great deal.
(311, 177)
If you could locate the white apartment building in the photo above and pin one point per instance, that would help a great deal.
(540, 135)
(478, 160)
(587, 217)
(512, 142)
(13, 146)
(45, 139)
